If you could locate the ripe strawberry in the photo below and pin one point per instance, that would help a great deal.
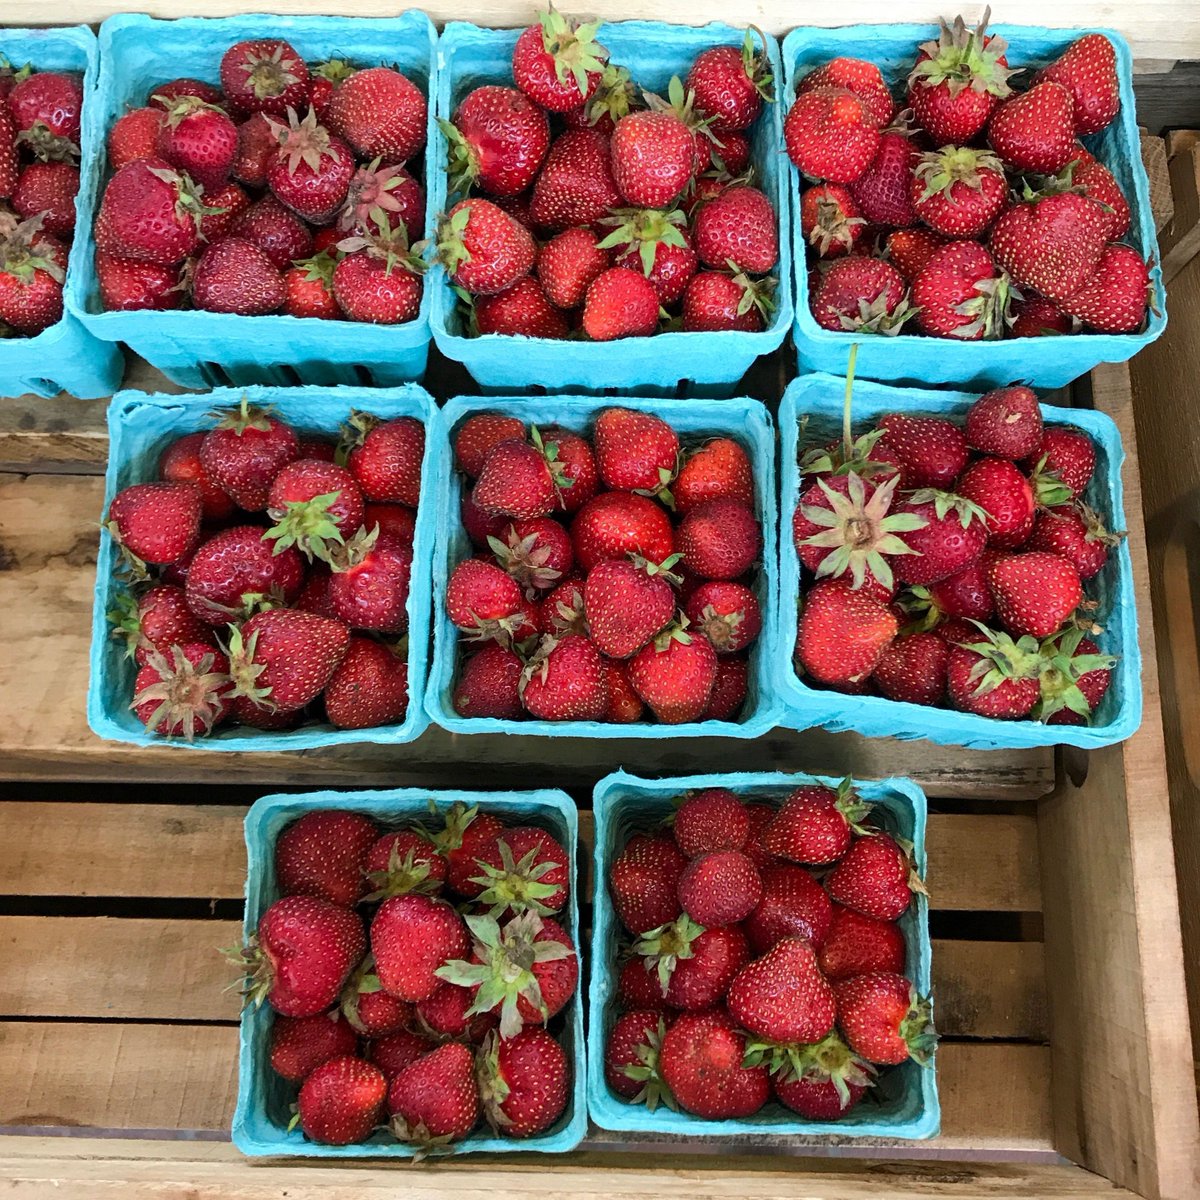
(522, 869)
(521, 310)
(380, 283)
(198, 138)
(183, 691)
(625, 706)
(225, 205)
(368, 688)
(484, 600)
(381, 113)
(738, 230)
(714, 302)
(882, 191)
(783, 996)
(156, 522)
(411, 937)
(954, 533)
(1075, 532)
(719, 539)
(858, 76)
(730, 84)
(620, 303)
(692, 967)
(727, 614)
(324, 854)
(523, 1082)
(933, 451)
(465, 830)
(831, 134)
(875, 878)
(656, 244)
(1066, 454)
(434, 1101)
(701, 1063)
(793, 905)
(385, 457)
(10, 159)
(257, 145)
(1115, 298)
(861, 294)
(283, 658)
(301, 955)
(275, 230)
(913, 669)
(826, 1082)
(567, 264)
(1088, 70)
(370, 583)
(1074, 679)
(1035, 316)
(842, 633)
(308, 288)
(613, 525)
(235, 570)
(45, 108)
(402, 862)
(638, 987)
(479, 434)
(325, 79)
(311, 170)
(815, 824)
(558, 63)
(1005, 422)
(831, 219)
(31, 278)
(858, 945)
(712, 819)
(1005, 496)
(884, 1019)
(760, 816)
(631, 1058)
(48, 189)
(520, 479)
(371, 1011)
(965, 593)
(1034, 132)
(910, 249)
(576, 185)
(301, 1044)
(565, 681)
(134, 136)
(958, 191)
(1035, 592)
(126, 284)
(444, 1015)
(718, 469)
(642, 882)
(635, 451)
(341, 1101)
(719, 888)
(961, 294)
(393, 1053)
(537, 553)
(156, 620)
(628, 603)
(1094, 179)
(482, 248)
(245, 451)
(235, 276)
(674, 675)
(497, 141)
(957, 82)
(653, 158)
(993, 676)
(575, 468)
(264, 75)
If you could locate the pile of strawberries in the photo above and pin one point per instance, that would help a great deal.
(976, 212)
(265, 574)
(765, 959)
(283, 190)
(945, 563)
(39, 176)
(630, 215)
(414, 974)
(613, 578)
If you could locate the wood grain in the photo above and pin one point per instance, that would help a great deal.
(1180, 239)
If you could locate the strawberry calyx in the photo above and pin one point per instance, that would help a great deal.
(462, 163)
(266, 74)
(989, 308)
(493, 1087)
(645, 1071)
(348, 555)
(662, 948)
(46, 145)
(401, 877)
(676, 632)
(181, 107)
(681, 103)
(838, 459)
(244, 417)
(256, 971)
(187, 694)
(451, 249)
(916, 1029)
(1061, 671)
(549, 451)
(964, 58)
(573, 47)
(418, 1135)
(189, 195)
(126, 623)
(940, 170)
(615, 96)
(1094, 529)
(244, 671)
(16, 75)
(1001, 658)
(336, 70)
(369, 195)
(515, 885)
(318, 268)
(875, 316)
(757, 64)
(21, 255)
(456, 820)
(539, 662)
(945, 503)
(1049, 490)
(307, 525)
(828, 1061)
(853, 808)
(832, 227)
(918, 604)
(387, 242)
(756, 293)
(647, 229)
(525, 560)
(304, 141)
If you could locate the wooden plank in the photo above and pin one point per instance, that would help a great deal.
(1124, 1097)
(1179, 241)
(183, 1077)
(983, 862)
(990, 989)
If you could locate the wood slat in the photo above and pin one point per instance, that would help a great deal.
(983, 862)
(183, 1077)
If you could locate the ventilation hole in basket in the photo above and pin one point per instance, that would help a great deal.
(214, 374)
(362, 375)
(289, 376)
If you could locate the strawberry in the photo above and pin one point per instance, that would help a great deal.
(884, 1019)
(520, 479)
(1004, 495)
(385, 457)
(620, 303)
(311, 170)
(913, 669)
(965, 593)
(1005, 422)
(198, 138)
(370, 583)
(882, 191)
(1035, 316)
(613, 525)
(235, 276)
(341, 1101)
(910, 249)
(933, 451)
(264, 75)
(444, 1015)
(1074, 679)
(387, 190)
(368, 688)
(642, 882)
(522, 310)
(638, 987)
(1035, 592)
(577, 464)
(875, 878)
(727, 614)
(625, 706)
(701, 1063)
(183, 691)
(656, 244)
(760, 816)
(631, 1058)
(301, 955)
(381, 113)
(565, 681)
(482, 248)
(478, 524)
(434, 1101)
(308, 288)
(576, 184)
(1115, 298)
(393, 1053)
(558, 63)
(1068, 455)
(479, 434)
(861, 294)
(156, 522)
(126, 284)
(719, 888)
(825, 1083)
(283, 658)
(692, 966)
(708, 820)
(380, 282)
(1088, 70)
(31, 278)
(628, 603)
(993, 676)
(373, 1013)
(730, 84)
(830, 219)
(256, 147)
(156, 620)
(718, 469)
(483, 600)
(567, 264)
(523, 1082)
(324, 854)
(858, 945)
(10, 159)
(959, 293)
(245, 451)
(48, 190)
(719, 539)
(815, 824)
(714, 302)
(738, 230)
(858, 76)
(225, 205)
(953, 534)
(782, 996)
(174, 89)
(325, 79)
(1075, 532)
(299, 1045)
(653, 158)
(497, 141)
(45, 108)
(1034, 132)
(831, 134)
(674, 675)
(537, 553)
(957, 82)
(411, 937)
(464, 832)
(275, 230)
(134, 136)
(232, 572)
(522, 869)
(1094, 179)
(958, 191)
(793, 905)
(402, 862)
(842, 633)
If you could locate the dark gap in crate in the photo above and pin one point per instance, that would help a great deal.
(148, 908)
(980, 806)
(974, 926)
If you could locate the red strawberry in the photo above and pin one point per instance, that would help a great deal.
(381, 113)
(324, 854)
(444, 1015)
(875, 878)
(613, 525)
(523, 1082)
(991, 675)
(32, 270)
(1035, 592)
(714, 302)
(965, 593)
(134, 136)
(385, 457)
(183, 691)
(522, 869)
(576, 185)
(464, 832)
(565, 681)
(1088, 70)
(1035, 316)
(283, 658)
(701, 1062)
(411, 937)
(793, 905)
(910, 249)
(393, 1053)
(653, 158)
(1077, 533)
(1006, 422)
(370, 1010)
(520, 479)
(341, 1101)
(675, 675)
(712, 819)
(642, 882)
(198, 138)
(257, 145)
(1074, 679)
(882, 191)
(402, 862)
(299, 1045)
(488, 685)
(730, 84)
(311, 170)
(126, 284)
(815, 824)
(719, 888)
(44, 106)
(308, 288)
(149, 213)
(1035, 132)
(497, 141)
(831, 134)
(719, 469)
(719, 539)
(435, 1101)
(954, 534)
(625, 706)
(10, 159)
(301, 955)
(628, 602)
(858, 945)
(235, 276)
(384, 195)
(537, 553)
(1115, 298)
(370, 583)
(369, 687)
(861, 77)
(932, 451)
(728, 614)
(960, 293)
(275, 230)
(884, 1019)
(156, 620)
(861, 294)
(1066, 454)
(231, 573)
(842, 633)
(567, 264)
(959, 191)
(266, 75)
(522, 310)
(576, 464)
(620, 303)
(1097, 181)
(325, 79)
(558, 63)
(638, 987)
(760, 816)
(48, 190)
(913, 669)
(654, 243)
(826, 1082)
(783, 996)
(1004, 494)
(482, 248)
(738, 229)
(156, 522)
(692, 966)
(245, 452)
(831, 219)
(631, 1058)
(479, 434)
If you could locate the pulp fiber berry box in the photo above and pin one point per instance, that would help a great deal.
(205, 349)
(140, 426)
(811, 414)
(904, 1104)
(260, 1122)
(746, 421)
(1045, 362)
(64, 357)
(663, 364)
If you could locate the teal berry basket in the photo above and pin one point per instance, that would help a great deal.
(1044, 362)
(906, 1098)
(205, 349)
(140, 426)
(65, 357)
(746, 421)
(816, 400)
(260, 1121)
(666, 364)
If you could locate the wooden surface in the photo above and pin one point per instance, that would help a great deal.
(1180, 239)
